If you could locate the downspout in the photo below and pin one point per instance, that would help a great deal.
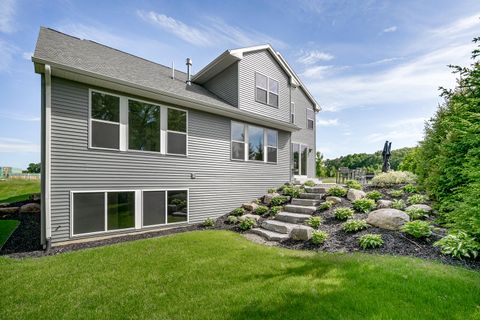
(48, 147)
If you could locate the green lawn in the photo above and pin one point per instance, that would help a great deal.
(14, 190)
(6, 229)
(220, 275)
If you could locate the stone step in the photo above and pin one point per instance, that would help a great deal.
(317, 196)
(305, 202)
(315, 189)
(291, 217)
(300, 209)
(278, 226)
(270, 235)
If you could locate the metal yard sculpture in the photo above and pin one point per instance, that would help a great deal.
(386, 153)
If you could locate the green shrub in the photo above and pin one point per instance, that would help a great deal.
(370, 240)
(417, 229)
(261, 210)
(293, 192)
(278, 201)
(354, 225)
(398, 204)
(417, 199)
(374, 195)
(343, 213)
(354, 184)
(309, 183)
(364, 205)
(325, 205)
(337, 191)
(232, 220)
(238, 211)
(416, 213)
(319, 237)
(410, 188)
(314, 222)
(272, 190)
(459, 245)
(247, 224)
(396, 193)
(388, 179)
(274, 210)
(209, 222)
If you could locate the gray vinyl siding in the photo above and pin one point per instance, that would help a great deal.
(220, 185)
(225, 84)
(305, 136)
(263, 62)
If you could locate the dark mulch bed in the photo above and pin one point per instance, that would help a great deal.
(26, 237)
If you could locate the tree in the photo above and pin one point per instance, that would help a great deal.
(321, 170)
(34, 168)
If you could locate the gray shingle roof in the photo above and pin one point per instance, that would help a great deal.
(86, 55)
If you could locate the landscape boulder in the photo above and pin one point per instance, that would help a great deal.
(248, 215)
(30, 208)
(303, 233)
(391, 219)
(382, 204)
(250, 206)
(333, 199)
(268, 197)
(424, 207)
(354, 194)
(6, 210)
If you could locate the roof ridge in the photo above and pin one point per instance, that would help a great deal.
(118, 50)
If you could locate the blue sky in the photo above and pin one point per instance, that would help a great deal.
(374, 66)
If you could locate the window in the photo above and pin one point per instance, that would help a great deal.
(105, 121)
(272, 141)
(304, 159)
(299, 159)
(143, 126)
(255, 143)
(177, 206)
(238, 141)
(310, 119)
(177, 132)
(292, 112)
(154, 208)
(120, 123)
(266, 90)
(91, 215)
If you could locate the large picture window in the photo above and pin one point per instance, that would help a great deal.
(238, 141)
(177, 132)
(143, 126)
(105, 121)
(266, 90)
(255, 143)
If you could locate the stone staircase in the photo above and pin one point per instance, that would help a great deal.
(292, 217)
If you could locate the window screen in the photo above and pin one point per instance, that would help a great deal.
(88, 212)
(105, 135)
(154, 208)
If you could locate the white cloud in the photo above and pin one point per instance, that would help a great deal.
(459, 26)
(314, 56)
(27, 55)
(214, 32)
(7, 52)
(19, 117)
(390, 29)
(7, 13)
(316, 71)
(9, 145)
(381, 61)
(327, 122)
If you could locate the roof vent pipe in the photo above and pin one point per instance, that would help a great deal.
(189, 65)
(173, 70)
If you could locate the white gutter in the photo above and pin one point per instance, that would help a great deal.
(48, 151)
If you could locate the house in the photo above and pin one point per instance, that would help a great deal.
(129, 145)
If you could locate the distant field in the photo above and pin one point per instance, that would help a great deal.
(17, 190)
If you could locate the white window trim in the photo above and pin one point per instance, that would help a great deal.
(123, 125)
(292, 112)
(308, 111)
(267, 89)
(138, 214)
(121, 144)
(246, 135)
